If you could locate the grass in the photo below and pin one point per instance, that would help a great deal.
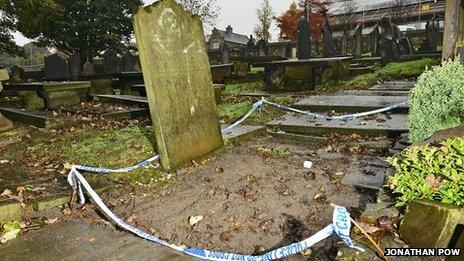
(230, 112)
(233, 89)
(255, 70)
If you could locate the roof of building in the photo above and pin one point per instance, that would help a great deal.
(339, 7)
(232, 37)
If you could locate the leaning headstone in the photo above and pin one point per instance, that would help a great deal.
(178, 82)
(17, 74)
(375, 52)
(389, 52)
(225, 54)
(5, 123)
(329, 46)
(110, 62)
(87, 69)
(129, 62)
(74, 64)
(304, 39)
(262, 49)
(56, 67)
(357, 36)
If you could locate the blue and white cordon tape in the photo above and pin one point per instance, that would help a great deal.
(341, 218)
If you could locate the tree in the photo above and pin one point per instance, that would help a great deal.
(397, 9)
(7, 43)
(75, 26)
(265, 16)
(208, 10)
(288, 21)
(349, 7)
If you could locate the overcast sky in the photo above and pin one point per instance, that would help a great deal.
(240, 14)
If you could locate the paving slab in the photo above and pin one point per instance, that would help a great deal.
(123, 99)
(349, 103)
(80, 240)
(373, 93)
(394, 86)
(393, 125)
(370, 172)
(241, 132)
(34, 119)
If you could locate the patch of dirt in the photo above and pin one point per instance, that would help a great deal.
(249, 201)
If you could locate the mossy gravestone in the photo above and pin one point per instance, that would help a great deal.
(4, 122)
(178, 82)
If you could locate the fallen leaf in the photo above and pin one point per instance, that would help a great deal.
(225, 236)
(92, 239)
(4, 161)
(12, 234)
(6, 193)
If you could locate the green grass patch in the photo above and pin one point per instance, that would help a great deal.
(230, 112)
(233, 89)
(255, 70)
(287, 99)
(274, 152)
(406, 69)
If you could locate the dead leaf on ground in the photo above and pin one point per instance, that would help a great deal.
(51, 221)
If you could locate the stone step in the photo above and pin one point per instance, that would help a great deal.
(34, 119)
(354, 71)
(394, 86)
(123, 99)
(349, 103)
(127, 114)
(393, 126)
(373, 93)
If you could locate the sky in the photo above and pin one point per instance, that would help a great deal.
(240, 14)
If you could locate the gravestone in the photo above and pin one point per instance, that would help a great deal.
(129, 62)
(74, 63)
(375, 52)
(225, 53)
(87, 69)
(110, 58)
(329, 46)
(178, 82)
(304, 39)
(57, 67)
(390, 37)
(5, 123)
(461, 55)
(288, 50)
(357, 36)
(344, 44)
(250, 50)
(17, 74)
(262, 48)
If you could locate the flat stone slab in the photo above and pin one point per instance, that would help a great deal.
(394, 86)
(394, 125)
(34, 119)
(370, 172)
(127, 114)
(123, 99)
(348, 103)
(241, 131)
(80, 240)
(373, 93)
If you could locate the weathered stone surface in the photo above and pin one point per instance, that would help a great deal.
(379, 210)
(74, 63)
(394, 86)
(242, 132)
(31, 100)
(429, 224)
(178, 82)
(111, 62)
(5, 124)
(349, 103)
(303, 39)
(444, 135)
(34, 119)
(56, 67)
(55, 99)
(17, 74)
(87, 69)
(217, 93)
(367, 173)
(219, 72)
(393, 126)
(69, 240)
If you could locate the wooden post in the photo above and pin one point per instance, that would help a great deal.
(453, 35)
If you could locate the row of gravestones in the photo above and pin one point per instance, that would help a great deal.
(60, 66)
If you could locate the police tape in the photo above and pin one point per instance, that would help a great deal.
(341, 226)
(341, 117)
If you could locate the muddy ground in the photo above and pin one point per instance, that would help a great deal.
(254, 197)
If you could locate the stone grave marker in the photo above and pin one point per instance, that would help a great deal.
(57, 67)
(357, 36)
(74, 63)
(17, 74)
(4, 122)
(461, 55)
(262, 49)
(178, 82)
(87, 69)
(110, 62)
(250, 50)
(304, 39)
(129, 62)
(329, 46)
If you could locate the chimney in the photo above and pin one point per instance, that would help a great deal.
(229, 29)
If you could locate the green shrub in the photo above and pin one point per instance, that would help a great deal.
(437, 100)
(429, 172)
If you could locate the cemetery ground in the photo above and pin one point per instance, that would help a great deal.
(251, 196)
